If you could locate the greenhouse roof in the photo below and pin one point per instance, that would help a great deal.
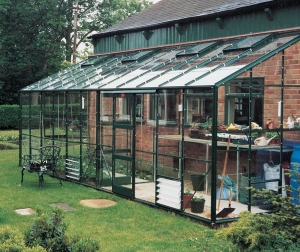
(183, 66)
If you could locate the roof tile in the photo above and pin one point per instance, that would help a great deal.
(168, 11)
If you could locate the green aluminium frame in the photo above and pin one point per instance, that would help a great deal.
(89, 110)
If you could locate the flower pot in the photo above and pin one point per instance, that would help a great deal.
(198, 182)
(187, 200)
(197, 206)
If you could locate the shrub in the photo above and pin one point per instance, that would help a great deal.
(49, 233)
(278, 230)
(11, 240)
(79, 244)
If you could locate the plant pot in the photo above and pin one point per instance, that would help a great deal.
(198, 182)
(197, 206)
(194, 132)
(187, 200)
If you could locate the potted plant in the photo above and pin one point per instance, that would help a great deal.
(197, 204)
(194, 130)
(187, 196)
(275, 137)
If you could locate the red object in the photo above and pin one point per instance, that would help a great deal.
(187, 200)
(123, 95)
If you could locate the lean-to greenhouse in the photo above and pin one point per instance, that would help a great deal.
(150, 124)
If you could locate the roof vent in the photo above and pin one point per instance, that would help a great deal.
(148, 34)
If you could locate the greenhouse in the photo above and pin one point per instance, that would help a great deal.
(211, 117)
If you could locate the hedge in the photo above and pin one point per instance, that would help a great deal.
(9, 116)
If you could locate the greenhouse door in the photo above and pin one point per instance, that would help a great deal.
(123, 156)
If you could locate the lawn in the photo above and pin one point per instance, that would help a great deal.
(127, 226)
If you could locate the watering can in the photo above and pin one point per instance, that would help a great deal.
(262, 141)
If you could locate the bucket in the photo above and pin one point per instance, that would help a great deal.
(257, 182)
(197, 206)
(198, 182)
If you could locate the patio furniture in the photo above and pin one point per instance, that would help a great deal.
(41, 163)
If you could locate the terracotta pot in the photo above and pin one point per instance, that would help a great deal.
(187, 200)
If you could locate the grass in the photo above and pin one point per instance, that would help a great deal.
(127, 226)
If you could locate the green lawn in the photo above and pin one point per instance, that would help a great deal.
(127, 226)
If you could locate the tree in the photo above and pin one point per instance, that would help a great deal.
(37, 36)
(95, 15)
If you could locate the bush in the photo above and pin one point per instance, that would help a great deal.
(49, 233)
(278, 230)
(9, 116)
(11, 240)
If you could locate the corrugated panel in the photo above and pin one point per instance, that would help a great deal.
(250, 23)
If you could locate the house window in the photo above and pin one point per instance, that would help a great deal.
(237, 101)
(165, 107)
(139, 107)
(198, 105)
(124, 106)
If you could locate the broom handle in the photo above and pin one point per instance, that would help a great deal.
(230, 197)
(224, 171)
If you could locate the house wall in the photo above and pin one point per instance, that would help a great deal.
(286, 17)
(270, 70)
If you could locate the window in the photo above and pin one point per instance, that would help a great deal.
(237, 102)
(124, 106)
(199, 105)
(166, 105)
(139, 107)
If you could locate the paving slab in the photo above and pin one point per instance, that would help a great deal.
(63, 206)
(25, 211)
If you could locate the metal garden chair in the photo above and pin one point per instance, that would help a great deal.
(41, 163)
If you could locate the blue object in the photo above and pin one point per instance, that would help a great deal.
(228, 184)
(295, 174)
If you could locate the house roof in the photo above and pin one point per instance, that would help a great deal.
(167, 12)
(186, 66)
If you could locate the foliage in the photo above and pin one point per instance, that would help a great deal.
(272, 134)
(198, 198)
(275, 231)
(13, 240)
(79, 244)
(29, 51)
(188, 192)
(38, 47)
(9, 116)
(49, 233)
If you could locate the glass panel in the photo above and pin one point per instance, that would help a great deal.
(199, 106)
(74, 118)
(166, 106)
(237, 101)
(144, 155)
(59, 115)
(123, 171)
(89, 172)
(123, 142)
(106, 138)
(123, 109)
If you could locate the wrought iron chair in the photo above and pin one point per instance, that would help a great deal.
(44, 162)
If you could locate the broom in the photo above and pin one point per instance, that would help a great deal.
(224, 212)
